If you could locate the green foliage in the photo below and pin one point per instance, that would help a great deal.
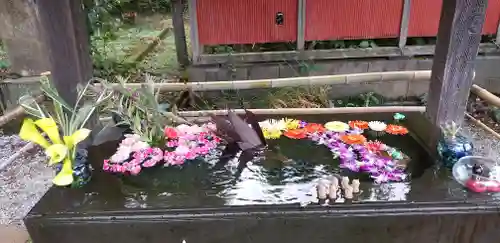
(140, 109)
(70, 118)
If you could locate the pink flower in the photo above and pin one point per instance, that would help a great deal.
(105, 165)
(135, 170)
(172, 143)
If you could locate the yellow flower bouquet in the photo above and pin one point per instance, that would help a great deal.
(60, 129)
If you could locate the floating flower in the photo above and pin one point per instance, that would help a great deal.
(296, 133)
(337, 126)
(358, 124)
(273, 124)
(170, 133)
(353, 139)
(314, 128)
(377, 126)
(271, 134)
(399, 116)
(291, 124)
(396, 130)
(375, 146)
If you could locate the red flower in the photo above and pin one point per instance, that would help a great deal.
(374, 146)
(396, 129)
(295, 133)
(314, 127)
(353, 139)
(358, 124)
(171, 133)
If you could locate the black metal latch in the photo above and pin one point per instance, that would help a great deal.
(279, 18)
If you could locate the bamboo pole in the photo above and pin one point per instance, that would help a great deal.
(291, 82)
(485, 95)
(17, 112)
(354, 78)
(307, 111)
(482, 125)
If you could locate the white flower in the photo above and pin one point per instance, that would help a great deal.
(377, 126)
(121, 154)
(139, 146)
(337, 126)
(183, 128)
(273, 124)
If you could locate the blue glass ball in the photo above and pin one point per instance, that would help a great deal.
(82, 170)
(451, 150)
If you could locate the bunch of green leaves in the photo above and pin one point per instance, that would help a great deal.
(141, 110)
(69, 117)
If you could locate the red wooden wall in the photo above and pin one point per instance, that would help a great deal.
(253, 21)
(352, 19)
(245, 21)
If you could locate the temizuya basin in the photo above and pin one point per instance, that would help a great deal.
(271, 201)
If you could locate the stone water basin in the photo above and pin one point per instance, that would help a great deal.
(281, 183)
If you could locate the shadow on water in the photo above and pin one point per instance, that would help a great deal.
(284, 174)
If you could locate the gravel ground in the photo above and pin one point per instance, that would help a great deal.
(24, 181)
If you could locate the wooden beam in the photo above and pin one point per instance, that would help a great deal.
(180, 33)
(332, 54)
(193, 22)
(64, 28)
(457, 44)
(301, 26)
(405, 20)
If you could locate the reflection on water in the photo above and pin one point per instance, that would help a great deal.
(286, 173)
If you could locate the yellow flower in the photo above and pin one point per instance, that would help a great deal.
(271, 134)
(337, 126)
(49, 126)
(29, 132)
(76, 137)
(291, 124)
(56, 153)
(65, 176)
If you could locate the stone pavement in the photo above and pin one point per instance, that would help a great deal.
(13, 234)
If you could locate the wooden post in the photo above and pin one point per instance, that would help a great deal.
(457, 46)
(66, 38)
(195, 44)
(301, 20)
(180, 33)
(19, 30)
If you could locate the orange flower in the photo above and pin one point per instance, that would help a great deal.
(396, 130)
(314, 127)
(295, 133)
(358, 124)
(353, 139)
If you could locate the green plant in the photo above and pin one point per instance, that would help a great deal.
(62, 123)
(141, 110)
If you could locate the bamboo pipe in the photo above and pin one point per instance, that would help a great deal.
(307, 111)
(485, 95)
(17, 112)
(292, 82)
(289, 82)
(482, 125)
(172, 85)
